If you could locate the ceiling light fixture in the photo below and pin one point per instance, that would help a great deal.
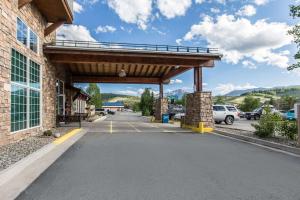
(122, 73)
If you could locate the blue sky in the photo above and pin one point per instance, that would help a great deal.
(250, 33)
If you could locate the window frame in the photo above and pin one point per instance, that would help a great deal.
(28, 37)
(28, 88)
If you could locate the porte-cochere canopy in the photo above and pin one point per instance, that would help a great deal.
(102, 62)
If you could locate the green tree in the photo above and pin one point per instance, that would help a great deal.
(146, 103)
(250, 103)
(220, 100)
(295, 32)
(94, 91)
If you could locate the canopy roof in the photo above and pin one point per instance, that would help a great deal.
(101, 62)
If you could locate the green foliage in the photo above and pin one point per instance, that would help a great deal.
(181, 101)
(287, 129)
(249, 104)
(147, 101)
(267, 124)
(295, 32)
(286, 102)
(136, 107)
(94, 91)
(47, 133)
(220, 100)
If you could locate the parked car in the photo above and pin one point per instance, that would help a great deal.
(290, 115)
(111, 112)
(257, 113)
(100, 111)
(225, 113)
(178, 116)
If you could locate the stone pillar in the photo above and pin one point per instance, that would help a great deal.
(199, 109)
(161, 107)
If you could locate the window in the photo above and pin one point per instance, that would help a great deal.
(219, 108)
(25, 92)
(22, 32)
(231, 108)
(33, 44)
(27, 36)
(60, 98)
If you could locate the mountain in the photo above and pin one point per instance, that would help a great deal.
(176, 94)
(126, 99)
(278, 91)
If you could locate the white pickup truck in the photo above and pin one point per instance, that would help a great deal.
(225, 113)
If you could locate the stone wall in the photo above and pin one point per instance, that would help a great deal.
(8, 29)
(161, 107)
(199, 109)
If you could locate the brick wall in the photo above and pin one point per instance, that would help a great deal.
(199, 109)
(8, 24)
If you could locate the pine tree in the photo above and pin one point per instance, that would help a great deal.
(94, 91)
(295, 32)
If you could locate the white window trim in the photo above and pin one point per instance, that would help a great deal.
(28, 37)
(28, 88)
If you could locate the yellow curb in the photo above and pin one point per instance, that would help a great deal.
(200, 129)
(67, 136)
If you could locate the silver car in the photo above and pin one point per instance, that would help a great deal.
(225, 113)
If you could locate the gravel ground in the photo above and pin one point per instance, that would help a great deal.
(12, 153)
(279, 140)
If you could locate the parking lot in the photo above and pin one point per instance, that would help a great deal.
(242, 124)
(125, 157)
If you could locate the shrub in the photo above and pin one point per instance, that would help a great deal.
(287, 129)
(146, 112)
(47, 133)
(266, 124)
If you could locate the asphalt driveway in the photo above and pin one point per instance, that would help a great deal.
(127, 158)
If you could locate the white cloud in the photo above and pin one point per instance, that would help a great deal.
(200, 1)
(261, 2)
(247, 10)
(215, 10)
(77, 7)
(178, 41)
(105, 29)
(248, 64)
(259, 41)
(133, 11)
(173, 8)
(178, 81)
(223, 89)
(74, 32)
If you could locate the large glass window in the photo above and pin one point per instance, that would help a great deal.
(33, 44)
(27, 36)
(25, 92)
(18, 108)
(34, 119)
(22, 32)
(18, 68)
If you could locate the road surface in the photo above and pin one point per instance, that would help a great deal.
(127, 158)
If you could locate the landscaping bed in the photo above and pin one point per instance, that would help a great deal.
(12, 153)
(277, 139)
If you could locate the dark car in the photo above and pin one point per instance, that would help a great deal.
(255, 114)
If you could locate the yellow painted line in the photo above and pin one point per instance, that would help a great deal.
(137, 130)
(111, 128)
(67, 136)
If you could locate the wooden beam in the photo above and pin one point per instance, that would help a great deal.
(175, 72)
(198, 79)
(108, 79)
(83, 58)
(53, 27)
(22, 3)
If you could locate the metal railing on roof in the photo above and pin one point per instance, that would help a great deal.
(130, 46)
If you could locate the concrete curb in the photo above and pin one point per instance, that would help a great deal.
(19, 176)
(261, 142)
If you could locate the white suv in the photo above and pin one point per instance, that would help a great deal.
(225, 113)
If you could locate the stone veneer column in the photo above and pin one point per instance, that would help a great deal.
(161, 107)
(199, 109)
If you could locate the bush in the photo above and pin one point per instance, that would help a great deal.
(287, 129)
(267, 124)
(47, 133)
(146, 112)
